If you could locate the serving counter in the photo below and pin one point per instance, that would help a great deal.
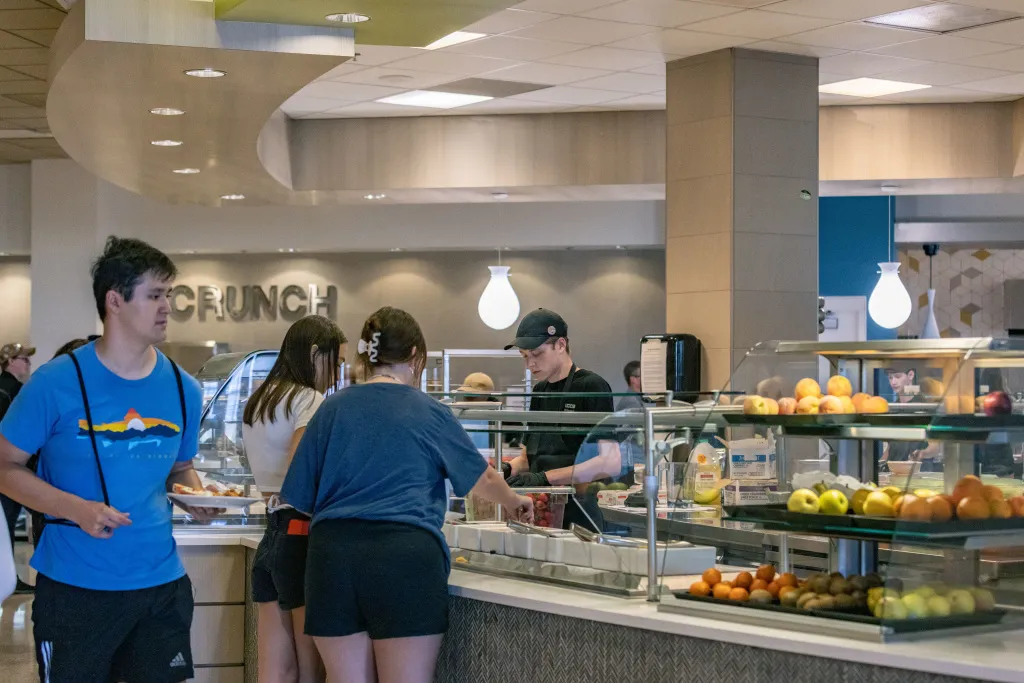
(507, 630)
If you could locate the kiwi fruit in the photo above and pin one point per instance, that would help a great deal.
(874, 581)
(839, 586)
(810, 596)
(791, 597)
(826, 602)
(858, 583)
(845, 602)
(761, 597)
(820, 584)
(813, 605)
(836, 575)
(859, 597)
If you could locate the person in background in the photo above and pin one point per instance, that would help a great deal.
(635, 401)
(370, 471)
(274, 421)
(901, 381)
(16, 361)
(116, 426)
(476, 388)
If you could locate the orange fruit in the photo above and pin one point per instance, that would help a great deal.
(775, 589)
(1017, 503)
(700, 589)
(712, 577)
(875, 404)
(897, 504)
(969, 486)
(739, 595)
(788, 580)
(766, 572)
(831, 405)
(759, 585)
(721, 591)
(915, 509)
(992, 493)
(807, 387)
(941, 509)
(743, 580)
(839, 386)
(858, 401)
(1000, 509)
(973, 507)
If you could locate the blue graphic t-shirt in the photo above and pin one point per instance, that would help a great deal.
(139, 436)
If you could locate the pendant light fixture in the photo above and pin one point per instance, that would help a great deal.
(499, 305)
(889, 305)
(931, 325)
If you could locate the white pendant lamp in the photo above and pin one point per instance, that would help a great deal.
(931, 325)
(889, 305)
(499, 305)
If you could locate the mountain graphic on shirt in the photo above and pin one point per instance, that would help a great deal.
(131, 428)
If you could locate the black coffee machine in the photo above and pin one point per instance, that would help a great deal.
(671, 362)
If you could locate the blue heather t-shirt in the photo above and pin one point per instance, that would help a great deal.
(382, 452)
(139, 436)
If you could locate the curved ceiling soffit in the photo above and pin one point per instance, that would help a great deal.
(113, 61)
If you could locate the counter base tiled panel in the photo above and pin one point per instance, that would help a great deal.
(488, 642)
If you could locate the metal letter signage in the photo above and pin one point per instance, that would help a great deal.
(252, 302)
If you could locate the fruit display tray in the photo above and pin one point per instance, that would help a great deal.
(967, 534)
(862, 616)
(791, 420)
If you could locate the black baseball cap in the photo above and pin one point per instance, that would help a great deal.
(536, 328)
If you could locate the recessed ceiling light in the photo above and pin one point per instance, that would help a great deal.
(189, 251)
(347, 18)
(166, 111)
(500, 195)
(869, 87)
(206, 72)
(291, 251)
(434, 99)
(890, 189)
(167, 143)
(620, 247)
(395, 78)
(232, 197)
(396, 249)
(455, 39)
(186, 171)
(375, 196)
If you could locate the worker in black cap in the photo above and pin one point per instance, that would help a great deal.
(550, 458)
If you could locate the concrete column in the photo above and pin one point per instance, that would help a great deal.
(66, 236)
(742, 212)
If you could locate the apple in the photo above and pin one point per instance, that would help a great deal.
(772, 405)
(917, 607)
(926, 592)
(833, 502)
(807, 405)
(839, 386)
(803, 500)
(997, 403)
(787, 406)
(961, 602)
(754, 405)
(984, 601)
(891, 608)
(831, 405)
(939, 606)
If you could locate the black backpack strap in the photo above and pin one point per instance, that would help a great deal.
(181, 396)
(92, 431)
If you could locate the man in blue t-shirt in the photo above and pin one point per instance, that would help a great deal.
(115, 425)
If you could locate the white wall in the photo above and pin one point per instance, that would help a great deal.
(15, 299)
(15, 208)
(963, 207)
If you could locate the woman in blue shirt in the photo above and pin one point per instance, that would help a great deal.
(370, 471)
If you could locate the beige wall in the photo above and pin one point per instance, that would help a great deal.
(15, 300)
(609, 298)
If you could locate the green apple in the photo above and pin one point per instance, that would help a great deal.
(925, 592)
(891, 608)
(833, 502)
(803, 500)
(984, 601)
(939, 606)
(917, 607)
(961, 602)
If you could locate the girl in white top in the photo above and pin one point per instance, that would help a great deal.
(274, 421)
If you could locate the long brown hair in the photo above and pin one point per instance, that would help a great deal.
(295, 368)
(392, 337)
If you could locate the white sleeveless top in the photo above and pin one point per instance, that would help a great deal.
(267, 443)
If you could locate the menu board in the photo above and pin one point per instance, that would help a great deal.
(654, 366)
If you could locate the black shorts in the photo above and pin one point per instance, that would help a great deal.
(91, 636)
(386, 579)
(279, 568)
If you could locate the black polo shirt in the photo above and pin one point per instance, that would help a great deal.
(546, 450)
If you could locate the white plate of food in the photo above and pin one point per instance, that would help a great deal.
(216, 497)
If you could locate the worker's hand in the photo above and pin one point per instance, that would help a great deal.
(525, 480)
(97, 519)
(522, 512)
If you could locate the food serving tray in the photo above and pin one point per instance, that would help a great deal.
(970, 534)
(213, 502)
(826, 420)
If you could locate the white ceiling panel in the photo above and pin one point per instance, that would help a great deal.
(508, 47)
(299, 105)
(546, 74)
(942, 49)
(1009, 32)
(830, 100)
(657, 69)
(508, 106)
(825, 77)
(1012, 60)
(370, 109)
(375, 55)
(664, 13)
(745, 4)
(341, 70)
(351, 92)
(1010, 85)
(508, 20)
(613, 59)
(562, 6)
(859, 64)
(681, 43)
(759, 24)
(397, 78)
(649, 101)
(440, 61)
(1008, 5)
(854, 37)
(843, 10)
(581, 30)
(568, 94)
(626, 82)
(944, 74)
(794, 49)
(936, 95)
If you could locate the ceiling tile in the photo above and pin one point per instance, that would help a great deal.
(933, 95)
(942, 49)
(844, 10)
(860, 64)
(854, 37)
(350, 92)
(681, 43)
(657, 69)
(1011, 85)
(664, 13)
(37, 100)
(547, 74)
(33, 85)
(37, 55)
(825, 77)
(759, 24)
(626, 82)
(9, 40)
(375, 55)
(1012, 60)
(395, 78)
(369, 110)
(649, 101)
(582, 30)
(41, 36)
(745, 4)
(509, 47)
(34, 70)
(36, 124)
(562, 6)
(19, 4)
(11, 75)
(509, 106)
(1009, 32)
(610, 58)
(1008, 5)
(567, 94)
(300, 105)
(830, 100)
(944, 74)
(440, 61)
(8, 113)
(508, 20)
(32, 18)
(341, 70)
(794, 49)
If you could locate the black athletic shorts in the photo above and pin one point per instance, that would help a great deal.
(386, 579)
(91, 636)
(279, 568)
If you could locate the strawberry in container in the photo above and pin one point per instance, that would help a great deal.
(549, 509)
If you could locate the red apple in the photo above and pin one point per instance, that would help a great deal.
(997, 403)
